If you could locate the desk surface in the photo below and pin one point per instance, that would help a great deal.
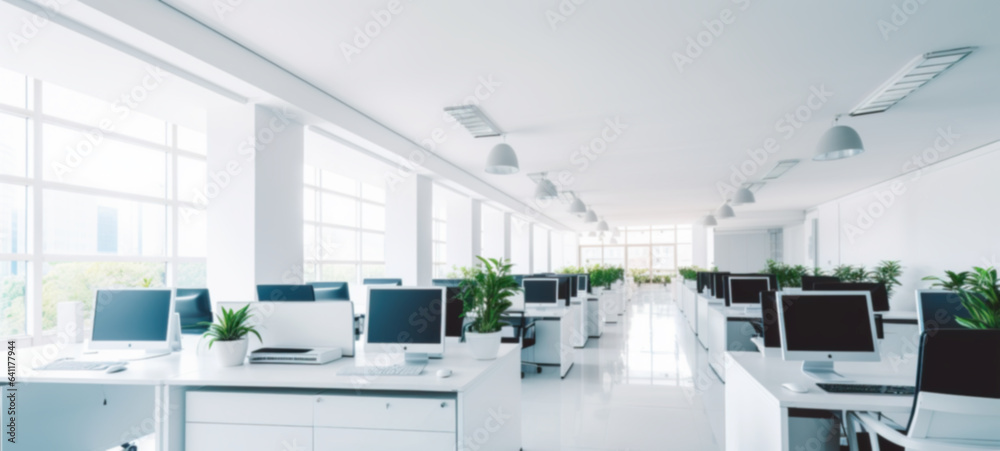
(195, 366)
(770, 372)
(546, 312)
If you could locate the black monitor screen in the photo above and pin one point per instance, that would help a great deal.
(719, 285)
(405, 315)
(573, 286)
(880, 298)
(828, 323)
(938, 310)
(747, 291)
(809, 282)
(769, 318)
(564, 291)
(131, 315)
(453, 313)
(541, 291)
(581, 282)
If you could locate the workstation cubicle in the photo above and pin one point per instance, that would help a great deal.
(306, 381)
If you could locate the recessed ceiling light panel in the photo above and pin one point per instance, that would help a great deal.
(915, 74)
(474, 120)
(780, 169)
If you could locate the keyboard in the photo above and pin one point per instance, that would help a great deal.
(77, 365)
(390, 370)
(869, 389)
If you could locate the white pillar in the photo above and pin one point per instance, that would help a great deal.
(408, 230)
(506, 235)
(254, 200)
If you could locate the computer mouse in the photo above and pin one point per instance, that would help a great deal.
(443, 373)
(116, 369)
(795, 388)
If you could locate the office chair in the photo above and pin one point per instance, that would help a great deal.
(194, 306)
(331, 291)
(285, 293)
(523, 333)
(957, 406)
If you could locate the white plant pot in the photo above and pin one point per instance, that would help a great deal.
(483, 346)
(230, 353)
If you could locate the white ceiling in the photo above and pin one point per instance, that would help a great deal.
(557, 87)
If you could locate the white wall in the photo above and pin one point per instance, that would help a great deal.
(944, 217)
(742, 251)
(794, 245)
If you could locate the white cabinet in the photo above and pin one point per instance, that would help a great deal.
(385, 412)
(595, 317)
(334, 439)
(246, 437)
(253, 420)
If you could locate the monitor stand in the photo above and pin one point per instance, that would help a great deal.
(822, 371)
(416, 358)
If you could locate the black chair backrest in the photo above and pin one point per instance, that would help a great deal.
(961, 362)
(194, 306)
(769, 318)
(396, 282)
(285, 293)
(453, 319)
(331, 291)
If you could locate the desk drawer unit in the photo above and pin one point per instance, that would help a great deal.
(385, 412)
(247, 437)
(336, 439)
(248, 421)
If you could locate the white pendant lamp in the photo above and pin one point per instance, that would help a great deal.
(742, 196)
(577, 206)
(725, 211)
(603, 225)
(545, 190)
(590, 216)
(839, 142)
(502, 160)
(709, 220)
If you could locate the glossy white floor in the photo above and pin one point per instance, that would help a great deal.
(644, 385)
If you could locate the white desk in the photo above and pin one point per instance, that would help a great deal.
(595, 317)
(554, 329)
(705, 302)
(580, 310)
(482, 400)
(763, 416)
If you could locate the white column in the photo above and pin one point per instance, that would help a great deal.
(506, 235)
(254, 201)
(408, 233)
(548, 251)
(476, 218)
(531, 248)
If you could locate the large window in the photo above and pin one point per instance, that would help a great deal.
(344, 227)
(440, 232)
(540, 248)
(492, 237)
(656, 249)
(111, 196)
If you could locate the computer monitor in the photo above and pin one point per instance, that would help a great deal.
(937, 309)
(564, 287)
(279, 293)
(745, 290)
(194, 307)
(574, 288)
(396, 282)
(702, 281)
(769, 318)
(822, 327)
(133, 320)
(408, 320)
(808, 282)
(543, 291)
(880, 297)
(331, 291)
(454, 307)
(719, 285)
(583, 283)
(446, 282)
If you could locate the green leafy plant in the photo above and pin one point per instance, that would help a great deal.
(981, 297)
(689, 272)
(486, 293)
(146, 282)
(817, 271)
(605, 275)
(572, 270)
(231, 325)
(887, 272)
(787, 275)
(953, 281)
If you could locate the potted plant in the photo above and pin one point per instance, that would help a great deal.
(229, 335)
(485, 294)
(980, 293)
(887, 272)
(953, 281)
